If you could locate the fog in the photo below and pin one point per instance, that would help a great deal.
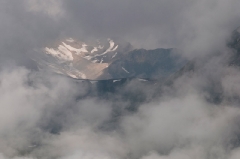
(44, 115)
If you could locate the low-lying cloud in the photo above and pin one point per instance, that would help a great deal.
(44, 116)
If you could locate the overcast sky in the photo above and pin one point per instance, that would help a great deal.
(185, 24)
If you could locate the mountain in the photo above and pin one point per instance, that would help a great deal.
(234, 44)
(107, 59)
(146, 64)
(107, 66)
(132, 76)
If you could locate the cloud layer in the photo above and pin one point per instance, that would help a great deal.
(48, 116)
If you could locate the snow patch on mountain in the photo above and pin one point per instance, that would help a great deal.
(62, 53)
(77, 51)
(77, 75)
(125, 70)
(110, 49)
(88, 57)
(116, 80)
(114, 55)
(70, 40)
(94, 50)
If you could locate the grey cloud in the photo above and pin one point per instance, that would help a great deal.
(190, 25)
(182, 123)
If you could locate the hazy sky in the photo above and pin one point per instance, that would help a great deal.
(186, 24)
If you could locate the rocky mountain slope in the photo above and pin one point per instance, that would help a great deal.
(107, 60)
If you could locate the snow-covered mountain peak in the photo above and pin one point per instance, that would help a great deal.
(71, 49)
(106, 59)
(81, 60)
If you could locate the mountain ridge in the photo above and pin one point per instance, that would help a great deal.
(109, 60)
